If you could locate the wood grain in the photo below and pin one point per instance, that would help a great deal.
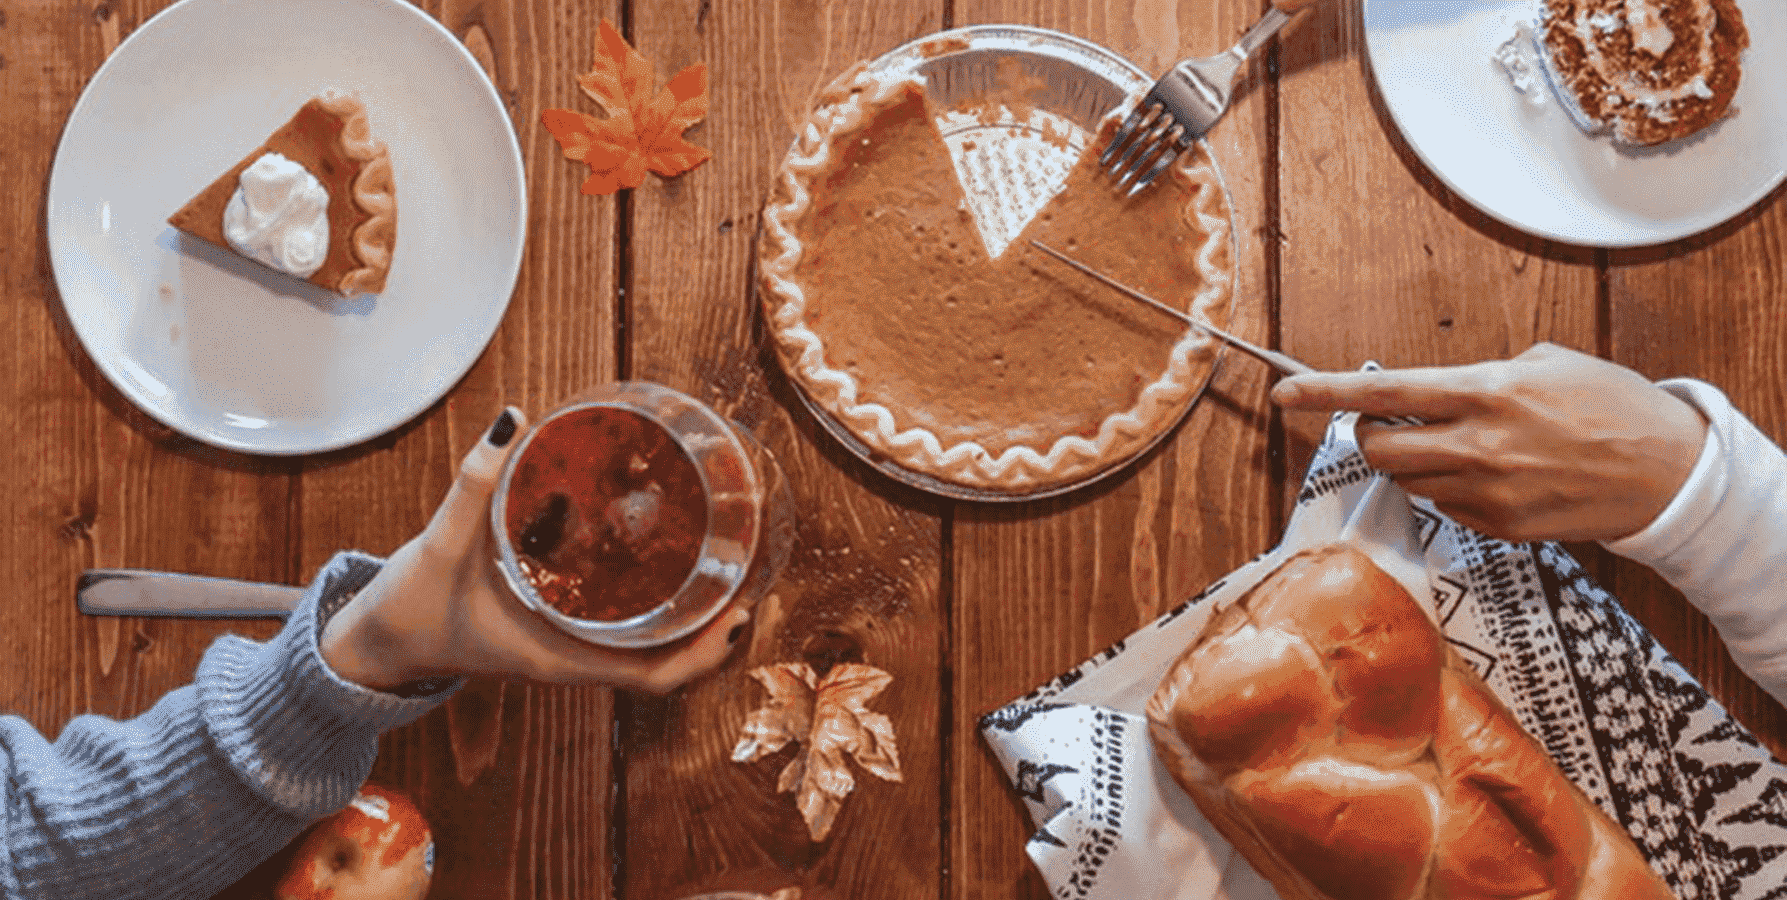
(1349, 249)
(1711, 308)
(515, 779)
(1380, 260)
(862, 584)
(94, 481)
(1040, 587)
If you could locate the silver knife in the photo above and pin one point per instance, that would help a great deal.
(1287, 364)
(140, 592)
(1273, 358)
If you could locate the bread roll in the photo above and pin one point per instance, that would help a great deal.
(1325, 727)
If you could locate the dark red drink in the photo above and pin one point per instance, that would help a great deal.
(606, 513)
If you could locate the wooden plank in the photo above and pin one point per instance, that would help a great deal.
(1380, 260)
(863, 581)
(513, 778)
(96, 482)
(1041, 587)
(1709, 308)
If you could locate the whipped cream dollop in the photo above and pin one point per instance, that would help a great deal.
(1520, 61)
(279, 216)
(1649, 33)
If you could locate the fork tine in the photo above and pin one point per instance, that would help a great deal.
(1144, 171)
(1166, 159)
(1127, 182)
(1184, 103)
(1138, 122)
(1124, 132)
(1145, 148)
(1140, 144)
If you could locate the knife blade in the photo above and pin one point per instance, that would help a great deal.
(141, 592)
(1287, 364)
(1273, 358)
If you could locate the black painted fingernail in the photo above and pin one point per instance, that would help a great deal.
(502, 430)
(733, 635)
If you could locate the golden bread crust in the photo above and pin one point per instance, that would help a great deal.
(1442, 798)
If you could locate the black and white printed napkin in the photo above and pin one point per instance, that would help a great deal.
(1699, 794)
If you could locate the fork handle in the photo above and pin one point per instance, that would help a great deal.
(1261, 32)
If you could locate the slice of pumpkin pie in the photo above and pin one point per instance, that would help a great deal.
(1005, 373)
(316, 201)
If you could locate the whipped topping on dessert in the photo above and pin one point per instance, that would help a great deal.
(1519, 59)
(1649, 33)
(279, 216)
(1605, 22)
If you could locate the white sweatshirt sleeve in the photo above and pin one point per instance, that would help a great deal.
(1722, 540)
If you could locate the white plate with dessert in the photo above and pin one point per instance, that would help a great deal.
(1496, 97)
(299, 306)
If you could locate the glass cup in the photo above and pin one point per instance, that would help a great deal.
(633, 515)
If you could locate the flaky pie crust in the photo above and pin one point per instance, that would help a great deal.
(375, 193)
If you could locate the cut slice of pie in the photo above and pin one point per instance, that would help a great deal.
(1010, 374)
(1649, 71)
(315, 201)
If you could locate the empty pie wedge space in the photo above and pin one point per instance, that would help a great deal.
(1004, 373)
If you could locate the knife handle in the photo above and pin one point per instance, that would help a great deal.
(142, 592)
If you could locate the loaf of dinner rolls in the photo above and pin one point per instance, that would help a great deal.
(1326, 728)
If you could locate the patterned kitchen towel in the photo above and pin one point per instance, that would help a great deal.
(1699, 794)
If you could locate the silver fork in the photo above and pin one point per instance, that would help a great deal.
(1184, 103)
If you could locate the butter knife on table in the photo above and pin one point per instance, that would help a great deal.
(141, 592)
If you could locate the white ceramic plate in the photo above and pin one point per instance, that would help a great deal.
(220, 348)
(1529, 166)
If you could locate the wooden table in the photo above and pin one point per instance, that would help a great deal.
(1349, 249)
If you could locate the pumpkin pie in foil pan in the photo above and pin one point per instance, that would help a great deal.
(906, 302)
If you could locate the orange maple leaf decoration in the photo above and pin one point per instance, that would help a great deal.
(643, 131)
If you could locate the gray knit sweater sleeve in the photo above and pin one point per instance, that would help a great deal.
(186, 798)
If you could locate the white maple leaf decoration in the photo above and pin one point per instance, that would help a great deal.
(829, 719)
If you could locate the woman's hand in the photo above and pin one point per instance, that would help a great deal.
(440, 607)
(1551, 445)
